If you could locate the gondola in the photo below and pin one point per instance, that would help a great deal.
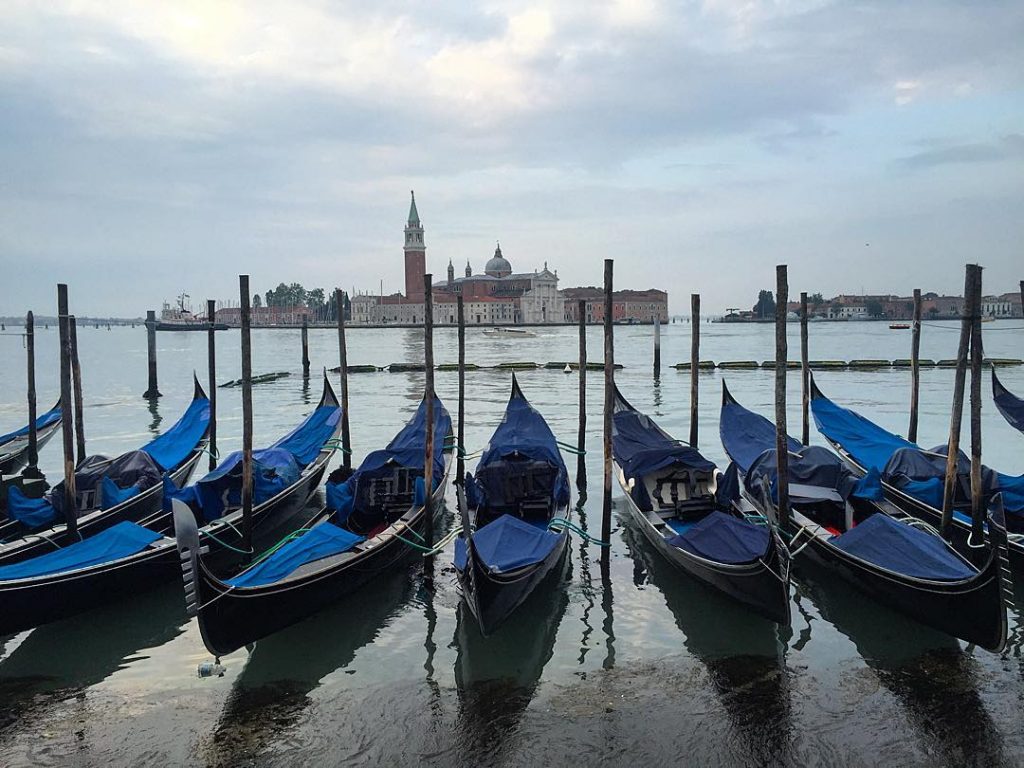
(14, 445)
(913, 478)
(1007, 403)
(671, 490)
(844, 524)
(521, 485)
(109, 491)
(370, 519)
(125, 558)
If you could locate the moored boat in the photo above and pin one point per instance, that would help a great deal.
(14, 445)
(1008, 404)
(844, 523)
(520, 488)
(671, 490)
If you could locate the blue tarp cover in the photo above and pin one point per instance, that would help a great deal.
(173, 446)
(307, 440)
(406, 449)
(319, 542)
(523, 433)
(746, 435)
(43, 420)
(898, 547)
(724, 539)
(32, 513)
(111, 494)
(507, 544)
(273, 470)
(1011, 406)
(641, 447)
(118, 541)
(872, 446)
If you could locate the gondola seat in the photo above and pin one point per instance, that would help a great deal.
(520, 487)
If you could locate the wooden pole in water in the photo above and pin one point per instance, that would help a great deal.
(305, 347)
(915, 366)
(805, 375)
(781, 360)
(977, 354)
(609, 406)
(152, 390)
(32, 470)
(66, 424)
(953, 446)
(246, 319)
(581, 436)
(428, 451)
(211, 364)
(76, 384)
(657, 346)
(460, 449)
(694, 367)
(346, 435)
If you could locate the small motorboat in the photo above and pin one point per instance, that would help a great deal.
(510, 333)
(899, 326)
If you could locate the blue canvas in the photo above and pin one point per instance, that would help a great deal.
(32, 513)
(746, 435)
(171, 448)
(111, 494)
(321, 541)
(50, 417)
(898, 547)
(724, 539)
(641, 447)
(508, 543)
(118, 541)
(307, 440)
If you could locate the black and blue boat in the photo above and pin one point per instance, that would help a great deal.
(108, 491)
(844, 523)
(520, 488)
(375, 519)
(126, 557)
(913, 478)
(671, 489)
(1008, 404)
(14, 445)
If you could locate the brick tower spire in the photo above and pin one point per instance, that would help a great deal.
(415, 254)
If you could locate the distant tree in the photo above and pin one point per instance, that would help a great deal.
(257, 302)
(315, 299)
(765, 306)
(874, 308)
(816, 299)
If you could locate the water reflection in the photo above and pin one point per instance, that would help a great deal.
(271, 693)
(154, 411)
(497, 676)
(742, 653)
(924, 669)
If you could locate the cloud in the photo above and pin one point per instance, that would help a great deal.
(1009, 147)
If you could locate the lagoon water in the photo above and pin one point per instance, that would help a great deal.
(631, 665)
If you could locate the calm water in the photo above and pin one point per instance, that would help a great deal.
(634, 663)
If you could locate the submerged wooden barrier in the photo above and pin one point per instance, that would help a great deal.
(263, 378)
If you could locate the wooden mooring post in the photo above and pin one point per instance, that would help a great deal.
(211, 365)
(953, 446)
(346, 435)
(428, 393)
(152, 390)
(32, 470)
(609, 406)
(460, 448)
(66, 415)
(305, 347)
(657, 346)
(247, 479)
(781, 360)
(694, 367)
(76, 384)
(581, 435)
(805, 375)
(977, 354)
(915, 366)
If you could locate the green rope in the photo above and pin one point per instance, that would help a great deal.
(560, 523)
(414, 545)
(570, 448)
(225, 544)
(290, 537)
(336, 445)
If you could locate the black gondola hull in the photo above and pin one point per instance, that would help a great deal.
(492, 598)
(758, 586)
(13, 461)
(27, 603)
(232, 618)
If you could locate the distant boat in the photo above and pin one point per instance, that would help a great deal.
(180, 318)
(899, 326)
(509, 332)
(988, 319)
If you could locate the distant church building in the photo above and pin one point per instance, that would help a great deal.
(497, 297)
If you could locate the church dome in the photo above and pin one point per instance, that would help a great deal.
(498, 265)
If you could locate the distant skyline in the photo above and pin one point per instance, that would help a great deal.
(152, 148)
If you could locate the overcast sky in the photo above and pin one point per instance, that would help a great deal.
(151, 148)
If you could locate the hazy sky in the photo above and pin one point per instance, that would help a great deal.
(148, 148)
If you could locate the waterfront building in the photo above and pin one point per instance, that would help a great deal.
(628, 306)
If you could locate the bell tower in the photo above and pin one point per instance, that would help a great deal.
(415, 254)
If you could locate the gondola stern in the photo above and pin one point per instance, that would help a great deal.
(198, 393)
(186, 534)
